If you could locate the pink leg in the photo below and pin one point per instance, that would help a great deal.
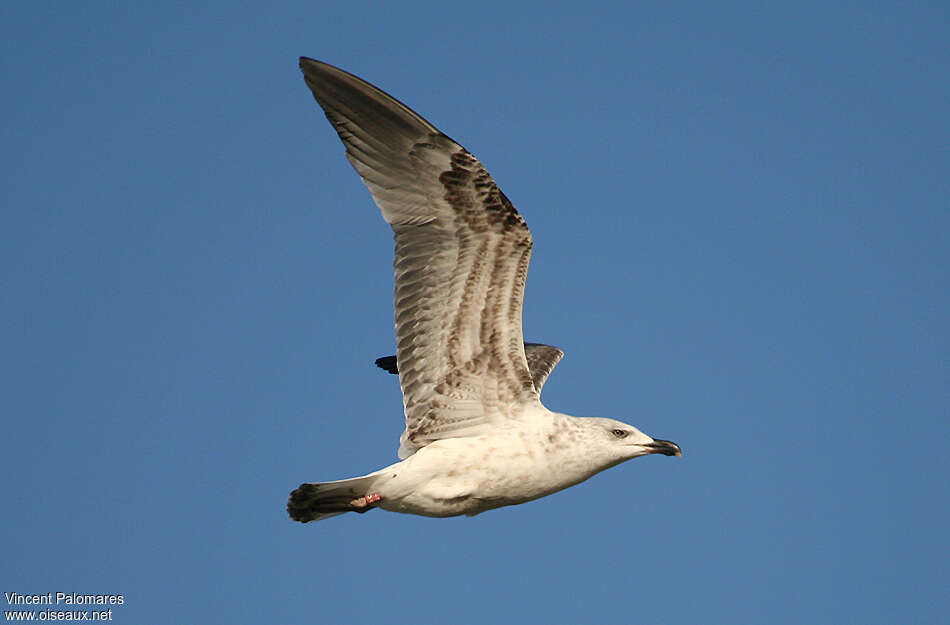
(362, 504)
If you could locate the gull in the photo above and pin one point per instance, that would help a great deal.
(477, 436)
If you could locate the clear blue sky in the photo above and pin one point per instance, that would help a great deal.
(741, 221)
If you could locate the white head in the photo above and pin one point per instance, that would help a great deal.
(610, 442)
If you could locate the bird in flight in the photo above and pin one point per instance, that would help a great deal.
(477, 436)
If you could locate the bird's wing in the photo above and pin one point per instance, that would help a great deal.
(388, 364)
(462, 254)
(541, 361)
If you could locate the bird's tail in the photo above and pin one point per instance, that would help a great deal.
(313, 502)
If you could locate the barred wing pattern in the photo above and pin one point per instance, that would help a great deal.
(462, 255)
(541, 362)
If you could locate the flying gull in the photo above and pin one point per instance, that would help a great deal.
(477, 436)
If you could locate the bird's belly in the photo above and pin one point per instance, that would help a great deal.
(468, 476)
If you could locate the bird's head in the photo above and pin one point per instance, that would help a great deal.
(618, 441)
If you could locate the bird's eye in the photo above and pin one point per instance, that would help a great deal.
(619, 433)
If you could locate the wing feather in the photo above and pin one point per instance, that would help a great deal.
(541, 362)
(461, 261)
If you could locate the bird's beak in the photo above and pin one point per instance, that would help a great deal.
(667, 448)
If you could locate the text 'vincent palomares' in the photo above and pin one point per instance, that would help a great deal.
(62, 598)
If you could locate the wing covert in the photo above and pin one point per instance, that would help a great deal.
(461, 261)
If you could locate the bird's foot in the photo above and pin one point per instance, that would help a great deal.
(362, 504)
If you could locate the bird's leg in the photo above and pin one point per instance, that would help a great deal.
(367, 502)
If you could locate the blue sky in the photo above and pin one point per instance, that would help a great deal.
(740, 217)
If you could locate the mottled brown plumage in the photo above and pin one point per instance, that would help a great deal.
(477, 436)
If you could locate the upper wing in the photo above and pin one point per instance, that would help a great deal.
(541, 361)
(462, 254)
